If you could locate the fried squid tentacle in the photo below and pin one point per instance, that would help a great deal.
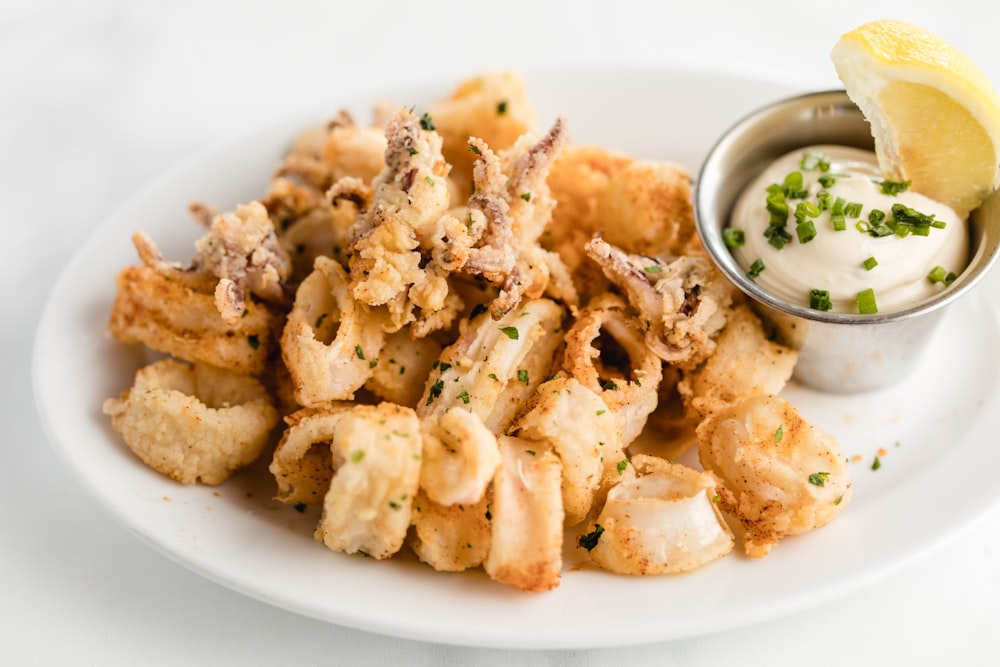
(683, 302)
(513, 197)
(392, 240)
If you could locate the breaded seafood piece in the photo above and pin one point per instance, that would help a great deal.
(527, 524)
(242, 251)
(239, 254)
(512, 195)
(450, 538)
(682, 301)
(745, 363)
(403, 366)
(302, 463)
(577, 180)
(353, 150)
(494, 366)
(367, 509)
(460, 457)
(658, 519)
(646, 209)
(331, 342)
(393, 238)
(606, 352)
(494, 107)
(322, 231)
(193, 423)
(169, 316)
(575, 423)
(778, 474)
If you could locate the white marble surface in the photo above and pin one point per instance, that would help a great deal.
(97, 98)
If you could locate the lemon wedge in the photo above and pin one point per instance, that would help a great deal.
(934, 115)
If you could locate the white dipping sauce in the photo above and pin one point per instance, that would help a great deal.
(834, 260)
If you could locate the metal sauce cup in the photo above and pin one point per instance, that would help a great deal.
(838, 352)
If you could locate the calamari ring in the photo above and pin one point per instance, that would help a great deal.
(193, 422)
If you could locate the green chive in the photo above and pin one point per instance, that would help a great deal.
(806, 231)
(819, 299)
(853, 209)
(866, 302)
(733, 237)
(870, 263)
(755, 269)
(893, 188)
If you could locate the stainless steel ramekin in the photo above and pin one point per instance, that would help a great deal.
(838, 352)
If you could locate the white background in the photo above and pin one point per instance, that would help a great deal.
(97, 98)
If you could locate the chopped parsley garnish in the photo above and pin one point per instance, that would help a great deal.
(622, 465)
(610, 385)
(510, 332)
(254, 341)
(463, 396)
(426, 123)
(359, 352)
(590, 540)
(501, 107)
(877, 463)
(522, 376)
(526, 196)
(779, 433)
(473, 149)
(819, 478)
(357, 455)
(435, 391)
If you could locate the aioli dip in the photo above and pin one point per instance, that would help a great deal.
(912, 253)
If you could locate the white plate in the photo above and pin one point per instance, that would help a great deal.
(938, 478)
